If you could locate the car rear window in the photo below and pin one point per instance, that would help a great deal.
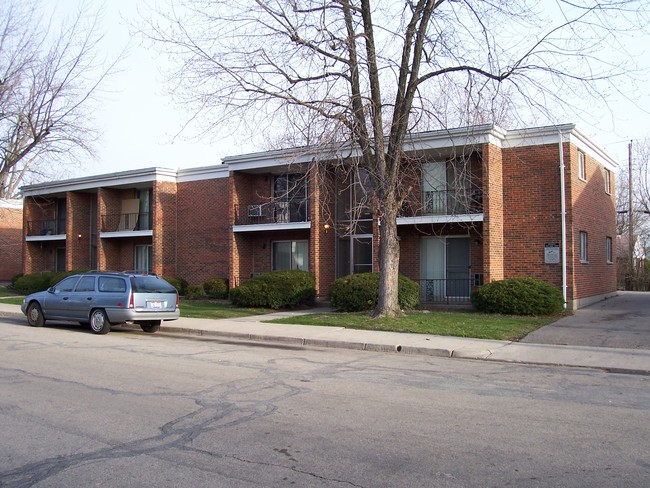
(151, 284)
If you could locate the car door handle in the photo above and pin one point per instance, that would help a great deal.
(89, 298)
(65, 298)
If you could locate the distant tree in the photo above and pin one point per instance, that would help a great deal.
(49, 77)
(363, 74)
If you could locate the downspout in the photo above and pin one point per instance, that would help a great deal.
(563, 221)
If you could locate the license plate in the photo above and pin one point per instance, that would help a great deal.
(155, 304)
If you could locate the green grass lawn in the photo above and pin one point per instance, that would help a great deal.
(211, 309)
(459, 324)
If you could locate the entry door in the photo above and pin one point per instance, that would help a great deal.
(457, 272)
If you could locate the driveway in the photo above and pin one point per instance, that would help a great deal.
(622, 321)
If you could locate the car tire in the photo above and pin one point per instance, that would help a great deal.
(99, 323)
(151, 326)
(35, 316)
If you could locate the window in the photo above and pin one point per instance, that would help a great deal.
(354, 255)
(291, 255)
(67, 285)
(143, 259)
(290, 198)
(110, 284)
(583, 248)
(608, 249)
(608, 182)
(144, 210)
(582, 166)
(86, 283)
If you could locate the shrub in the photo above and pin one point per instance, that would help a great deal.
(195, 292)
(216, 288)
(31, 283)
(14, 279)
(179, 283)
(518, 296)
(277, 289)
(358, 292)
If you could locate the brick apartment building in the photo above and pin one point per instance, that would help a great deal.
(485, 204)
(11, 238)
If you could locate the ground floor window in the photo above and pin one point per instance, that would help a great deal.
(143, 259)
(290, 255)
(584, 256)
(354, 255)
(608, 249)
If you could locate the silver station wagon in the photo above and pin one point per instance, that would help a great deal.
(105, 298)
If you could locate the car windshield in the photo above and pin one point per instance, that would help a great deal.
(151, 284)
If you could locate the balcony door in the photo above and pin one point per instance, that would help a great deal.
(444, 268)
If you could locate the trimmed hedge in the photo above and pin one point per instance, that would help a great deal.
(216, 288)
(519, 296)
(195, 292)
(358, 292)
(179, 283)
(31, 283)
(276, 290)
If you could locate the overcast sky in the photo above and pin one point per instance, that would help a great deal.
(139, 121)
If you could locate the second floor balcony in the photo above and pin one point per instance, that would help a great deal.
(447, 202)
(47, 227)
(272, 212)
(126, 222)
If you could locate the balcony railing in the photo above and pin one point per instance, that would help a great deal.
(447, 291)
(126, 222)
(273, 212)
(446, 202)
(46, 227)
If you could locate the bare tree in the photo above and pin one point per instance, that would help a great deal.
(633, 274)
(49, 78)
(372, 72)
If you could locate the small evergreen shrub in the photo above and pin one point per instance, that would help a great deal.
(195, 292)
(519, 296)
(14, 279)
(276, 290)
(31, 283)
(216, 288)
(358, 292)
(179, 283)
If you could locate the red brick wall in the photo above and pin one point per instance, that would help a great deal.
(164, 226)
(204, 229)
(493, 214)
(78, 231)
(11, 240)
(532, 217)
(592, 211)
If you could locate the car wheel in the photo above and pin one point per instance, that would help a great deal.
(35, 315)
(151, 326)
(99, 323)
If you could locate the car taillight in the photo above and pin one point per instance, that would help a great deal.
(131, 303)
(177, 300)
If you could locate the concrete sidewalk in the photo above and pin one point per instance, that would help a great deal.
(254, 329)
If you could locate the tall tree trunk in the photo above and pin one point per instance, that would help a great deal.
(388, 304)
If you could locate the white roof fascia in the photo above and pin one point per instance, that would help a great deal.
(203, 173)
(131, 177)
(538, 136)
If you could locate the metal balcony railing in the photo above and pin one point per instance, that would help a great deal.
(273, 212)
(126, 222)
(446, 290)
(445, 202)
(46, 227)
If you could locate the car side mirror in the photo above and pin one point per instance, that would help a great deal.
(50, 289)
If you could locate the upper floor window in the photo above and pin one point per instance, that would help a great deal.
(584, 257)
(608, 250)
(290, 198)
(608, 182)
(582, 166)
